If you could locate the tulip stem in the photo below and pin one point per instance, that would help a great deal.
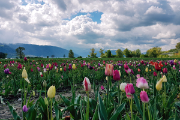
(131, 109)
(148, 112)
(87, 108)
(51, 108)
(143, 111)
(107, 92)
(119, 101)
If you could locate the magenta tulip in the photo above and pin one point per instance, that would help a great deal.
(144, 97)
(116, 75)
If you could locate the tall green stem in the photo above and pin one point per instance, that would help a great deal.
(87, 108)
(131, 109)
(119, 93)
(107, 92)
(51, 109)
(143, 111)
(148, 112)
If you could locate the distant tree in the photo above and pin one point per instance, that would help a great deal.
(92, 54)
(71, 54)
(101, 51)
(108, 53)
(64, 55)
(127, 52)
(3, 55)
(119, 53)
(52, 56)
(154, 52)
(178, 45)
(47, 56)
(79, 57)
(138, 53)
(19, 52)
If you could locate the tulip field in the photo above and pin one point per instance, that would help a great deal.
(112, 89)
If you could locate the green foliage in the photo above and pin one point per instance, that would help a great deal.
(127, 53)
(101, 51)
(71, 54)
(92, 54)
(3, 55)
(79, 57)
(154, 52)
(108, 53)
(19, 52)
(138, 53)
(163, 56)
(178, 45)
(119, 53)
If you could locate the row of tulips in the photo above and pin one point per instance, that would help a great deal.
(112, 104)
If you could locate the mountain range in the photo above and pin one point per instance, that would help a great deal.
(32, 50)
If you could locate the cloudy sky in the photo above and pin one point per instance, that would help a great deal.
(84, 24)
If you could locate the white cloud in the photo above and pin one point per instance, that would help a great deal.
(132, 24)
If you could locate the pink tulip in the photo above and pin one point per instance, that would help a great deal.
(144, 97)
(142, 83)
(126, 66)
(138, 75)
(102, 88)
(109, 70)
(129, 89)
(116, 75)
(87, 84)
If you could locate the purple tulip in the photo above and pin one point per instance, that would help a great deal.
(25, 109)
(6, 71)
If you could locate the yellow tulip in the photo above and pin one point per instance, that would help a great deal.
(74, 66)
(107, 78)
(159, 84)
(60, 69)
(146, 69)
(24, 73)
(164, 79)
(49, 65)
(51, 92)
(175, 61)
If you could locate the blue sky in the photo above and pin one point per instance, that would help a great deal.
(95, 16)
(84, 24)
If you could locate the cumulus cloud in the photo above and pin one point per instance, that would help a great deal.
(132, 24)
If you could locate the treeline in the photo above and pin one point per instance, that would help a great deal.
(154, 52)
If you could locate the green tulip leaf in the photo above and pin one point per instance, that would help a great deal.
(117, 112)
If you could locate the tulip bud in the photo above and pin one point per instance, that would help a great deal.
(24, 73)
(51, 92)
(60, 69)
(33, 93)
(164, 79)
(44, 83)
(159, 85)
(146, 69)
(45, 101)
(25, 109)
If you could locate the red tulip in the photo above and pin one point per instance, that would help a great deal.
(165, 70)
